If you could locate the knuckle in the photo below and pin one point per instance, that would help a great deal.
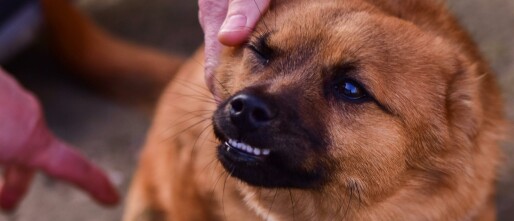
(212, 11)
(209, 5)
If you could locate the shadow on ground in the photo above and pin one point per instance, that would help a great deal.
(111, 133)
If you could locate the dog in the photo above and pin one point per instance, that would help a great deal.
(333, 110)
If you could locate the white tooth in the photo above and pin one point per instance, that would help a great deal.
(257, 151)
(265, 152)
(232, 143)
(240, 145)
(249, 149)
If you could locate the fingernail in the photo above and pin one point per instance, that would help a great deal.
(234, 23)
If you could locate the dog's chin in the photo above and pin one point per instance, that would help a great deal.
(263, 167)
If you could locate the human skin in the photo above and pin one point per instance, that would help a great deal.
(27, 146)
(227, 22)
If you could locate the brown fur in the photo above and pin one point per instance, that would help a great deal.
(427, 151)
(424, 148)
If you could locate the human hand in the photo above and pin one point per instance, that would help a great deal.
(26, 145)
(229, 22)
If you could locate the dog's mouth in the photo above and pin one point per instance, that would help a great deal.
(243, 152)
(237, 155)
(263, 167)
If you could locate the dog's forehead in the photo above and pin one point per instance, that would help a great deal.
(331, 35)
(304, 23)
(336, 31)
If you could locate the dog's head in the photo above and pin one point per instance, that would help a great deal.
(336, 93)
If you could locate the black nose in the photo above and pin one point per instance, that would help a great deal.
(249, 112)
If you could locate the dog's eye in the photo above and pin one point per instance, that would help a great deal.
(261, 48)
(264, 53)
(350, 90)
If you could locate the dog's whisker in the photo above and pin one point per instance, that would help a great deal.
(204, 95)
(190, 116)
(292, 204)
(218, 81)
(214, 77)
(198, 62)
(227, 93)
(203, 113)
(212, 164)
(262, 15)
(198, 98)
(199, 89)
(187, 82)
(217, 181)
(272, 202)
(223, 193)
(172, 137)
(196, 113)
(213, 141)
(199, 136)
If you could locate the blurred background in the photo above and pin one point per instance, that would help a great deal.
(111, 132)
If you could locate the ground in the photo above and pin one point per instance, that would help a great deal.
(111, 133)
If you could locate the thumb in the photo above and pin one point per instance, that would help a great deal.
(242, 16)
(62, 161)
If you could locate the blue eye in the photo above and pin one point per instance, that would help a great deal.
(350, 90)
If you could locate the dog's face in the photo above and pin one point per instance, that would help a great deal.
(331, 95)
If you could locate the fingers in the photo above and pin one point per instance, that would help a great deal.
(211, 15)
(63, 162)
(16, 183)
(241, 18)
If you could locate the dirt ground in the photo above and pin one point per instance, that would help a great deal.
(111, 133)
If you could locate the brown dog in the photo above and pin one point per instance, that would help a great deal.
(334, 110)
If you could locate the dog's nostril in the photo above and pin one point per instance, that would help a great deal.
(237, 105)
(261, 115)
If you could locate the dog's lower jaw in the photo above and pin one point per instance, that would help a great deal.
(340, 203)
